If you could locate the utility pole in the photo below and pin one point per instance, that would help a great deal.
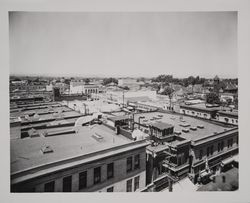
(123, 98)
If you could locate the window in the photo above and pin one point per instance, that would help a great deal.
(208, 151)
(110, 189)
(201, 154)
(129, 164)
(97, 175)
(136, 182)
(230, 143)
(67, 183)
(110, 170)
(212, 150)
(219, 147)
(179, 160)
(82, 180)
(129, 185)
(222, 145)
(137, 161)
(49, 187)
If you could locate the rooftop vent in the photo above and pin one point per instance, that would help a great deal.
(97, 137)
(185, 130)
(46, 149)
(33, 133)
(193, 128)
(184, 124)
(177, 132)
(200, 126)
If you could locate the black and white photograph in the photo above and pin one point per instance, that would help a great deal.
(123, 101)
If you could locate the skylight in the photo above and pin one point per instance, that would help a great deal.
(46, 149)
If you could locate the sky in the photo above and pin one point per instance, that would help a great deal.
(136, 44)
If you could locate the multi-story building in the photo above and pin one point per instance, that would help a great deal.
(198, 110)
(57, 156)
(83, 88)
(230, 117)
(221, 114)
(186, 146)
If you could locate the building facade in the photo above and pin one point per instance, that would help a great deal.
(119, 169)
(83, 88)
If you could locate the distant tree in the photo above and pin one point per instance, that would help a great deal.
(169, 92)
(142, 79)
(163, 78)
(87, 80)
(156, 87)
(109, 80)
(67, 81)
(213, 98)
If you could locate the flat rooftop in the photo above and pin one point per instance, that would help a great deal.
(26, 153)
(199, 106)
(44, 114)
(41, 110)
(118, 118)
(200, 128)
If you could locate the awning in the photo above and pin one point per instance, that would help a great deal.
(227, 161)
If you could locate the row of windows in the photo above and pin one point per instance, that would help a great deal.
(67, 181)
(227, 120)
(129, 185)
(193, 112)
(210, 149)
